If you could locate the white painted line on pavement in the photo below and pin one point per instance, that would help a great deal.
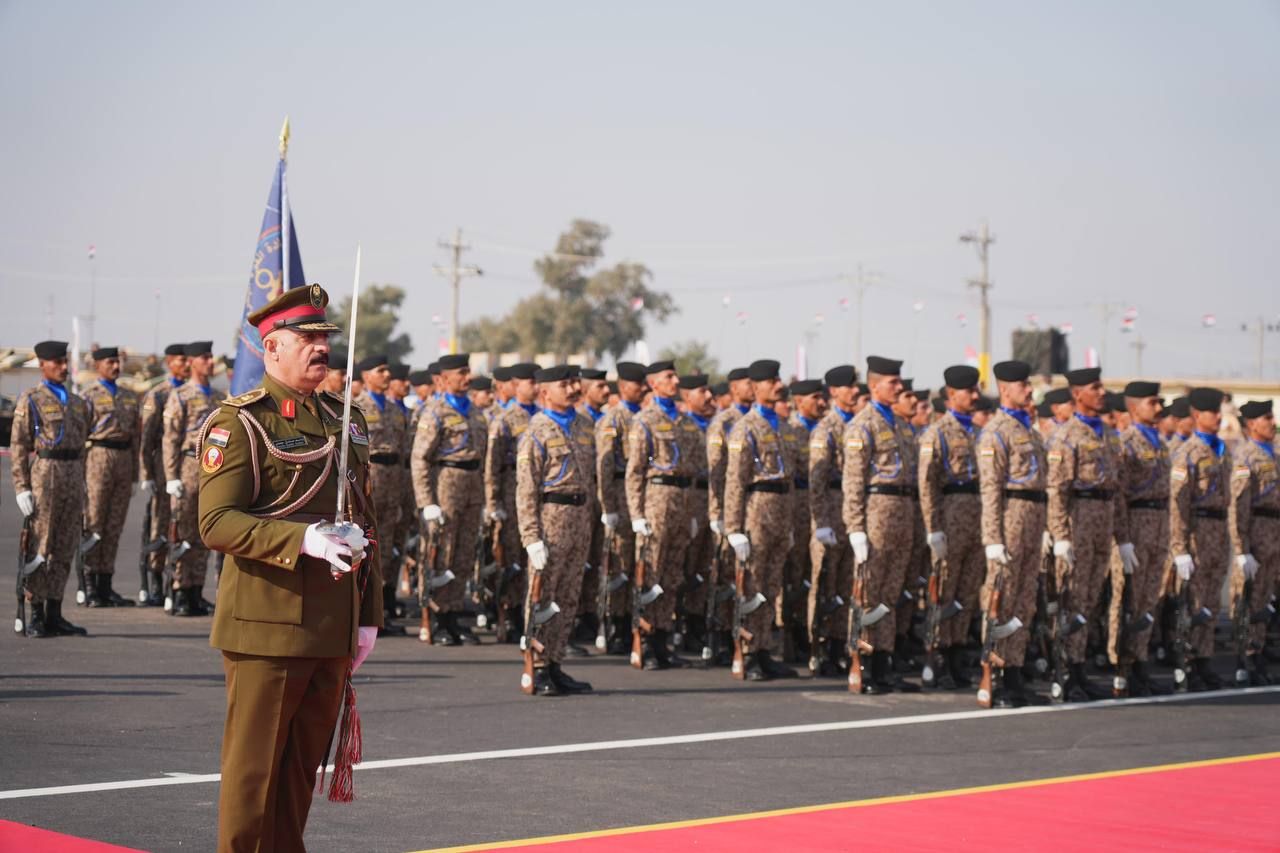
(667, 740)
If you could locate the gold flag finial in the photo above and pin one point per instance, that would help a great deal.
(284, 139)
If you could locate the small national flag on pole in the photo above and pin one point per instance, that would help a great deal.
(971, 356)
(93, 250)
(962, 319)
(1065, 328)
(1091, 357)
(1208, 321)
(271, 275)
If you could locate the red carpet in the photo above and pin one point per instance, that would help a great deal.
(1227, 804)
(17, 836)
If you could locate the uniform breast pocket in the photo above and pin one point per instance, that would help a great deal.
(455, 438)
(666, 450)
(559, 466)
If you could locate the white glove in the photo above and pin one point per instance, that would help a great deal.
(26, 503)
(640, 526)
(998, 554)
(331, 547)
(148, 487)
(537, 555)
(861, 548)
(693, 528)
(1184, 566)
(938, 544)
(825, 535)
(498, 514)
(1046, 544)
(1062, 550)
(1248, 564)
(717, 527)
(741, 545)
(609, 520)
(173, 488)
(366, 636)
(1128, 557)
(432, 513)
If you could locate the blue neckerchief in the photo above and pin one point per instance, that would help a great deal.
(964, 420)
(506, 404)
(109, 385)
(1151, 434)
(461, 403)
(1270, 448)
(633, 408)
(1216, 444)
(59, 390)
(206, 390)
(380, 400)
(1019, 415)
(1091, 422)
(563, 419)
(844, 416)
(808, 424)
(531, 408)
(742, 410)
(768, 414)
(702, 422)
(176, 382)
(402, 406)
(594, 413)
(668, 406)
(885, 411)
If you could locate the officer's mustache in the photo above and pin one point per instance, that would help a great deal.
(320, 358)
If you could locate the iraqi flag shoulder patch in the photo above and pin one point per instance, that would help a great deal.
(219, 436)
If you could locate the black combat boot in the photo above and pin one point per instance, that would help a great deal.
(1014, 687)
(773, 668)
(751, 669)
(182, 602)
(617, 636)
(154, 590)
(649, 660)
(1000, 697)
(879, 682)
(567, 683)
(1258, 672)
(465, 634)
(542, 683)
(1203, 672)
(105, 591)
(57, 626)
(199, 607)
(93, 596)
(668, 658)
(444, 632)
(1078, 687)
(35, 627)
(956, 667)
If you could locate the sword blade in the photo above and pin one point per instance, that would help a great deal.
(345, 447)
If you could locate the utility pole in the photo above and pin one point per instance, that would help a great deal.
(982, 240)
(455, 274)
(860, 281)
(93, 294)
(1138, 345)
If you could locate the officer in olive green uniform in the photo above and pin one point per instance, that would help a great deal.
(294, 618)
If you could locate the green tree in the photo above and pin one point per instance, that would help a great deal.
(691, 357)
(376, 323)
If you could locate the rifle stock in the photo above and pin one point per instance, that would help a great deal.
(741, 636)
(932, 620)
(990, 658)
(427, 569)
(639, 625)
(144, 556)
(24, 545)
(1240, 632)
(857, 645)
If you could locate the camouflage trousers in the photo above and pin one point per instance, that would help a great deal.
(890, 530)
(622, 563)
(108, 477)
(461, 497)
(768, 526)
(384, 486)
(1150, 529)
(591, 578)
(1211, 551)
(698, 557)
(1024, 525)
(192, 566)
(794, 602)
(916, 578)
(408, 523)
(664, 551)
(513, 554)
(966, 565)
(1092, 526)
(159, 526)
(830, 577)
(58, 489)
(566, 531)
(1264, 539)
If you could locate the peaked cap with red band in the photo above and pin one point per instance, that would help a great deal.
(300, 309)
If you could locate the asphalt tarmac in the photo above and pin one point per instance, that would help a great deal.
(141, 701)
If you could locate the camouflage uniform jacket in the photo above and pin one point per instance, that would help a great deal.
(551, 461)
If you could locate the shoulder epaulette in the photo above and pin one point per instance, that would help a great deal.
(337, 398)
(242, 400)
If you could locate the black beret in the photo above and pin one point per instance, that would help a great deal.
(370, 362)
(1142, 389)
(106, 352)
(593, 373)
(434, 368)
(555, 373)
(843, 376)
(939, 405)
(883, 366)
(1044, 410)
(338, 360)
(1012, 371)
(961, 377)
(1057, 396)
(630, 371)
(1083, 376)
(804, 387)
(524, 370)
(1180, 408)
(613, 387)
(1255, 409)
(984, 404)
(908, 384)
(399, 371)
(455, 361)
(501, 374)
(864, 389)
(1115, 402)
(763, 369)
(738, 373)
(50, 350)
(199, 348)
(923, 393)
(175, 349)
(481, 383)
(695, 380)
(658, 367)
(783, 395)
(1205, 399)
(423, 377)
(720, 389)
(575, 372)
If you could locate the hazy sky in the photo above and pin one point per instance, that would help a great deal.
(1124, 153)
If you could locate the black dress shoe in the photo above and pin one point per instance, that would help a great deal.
(567, 683)
(35, 627)
(55, 625)
(543, 684)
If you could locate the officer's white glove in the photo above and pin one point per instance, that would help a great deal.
(26, 503)
(640, 526)
(1128, 557)
(331, 547)
(717, 527)
(693, 527)
(173, 488)
(938, 544)
(537, 555)
(498, 514)
(148, 487)
(861, 548)
(609, 520)
(1062, 550)
(998, 553)
(825, 536)
(741, 545)
(1248, 565)
(366, 636)
(1046, 544)
(431, 513)
(1184, 565)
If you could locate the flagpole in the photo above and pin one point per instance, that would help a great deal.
(286, 226)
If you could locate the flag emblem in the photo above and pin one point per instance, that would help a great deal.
(212, 460)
